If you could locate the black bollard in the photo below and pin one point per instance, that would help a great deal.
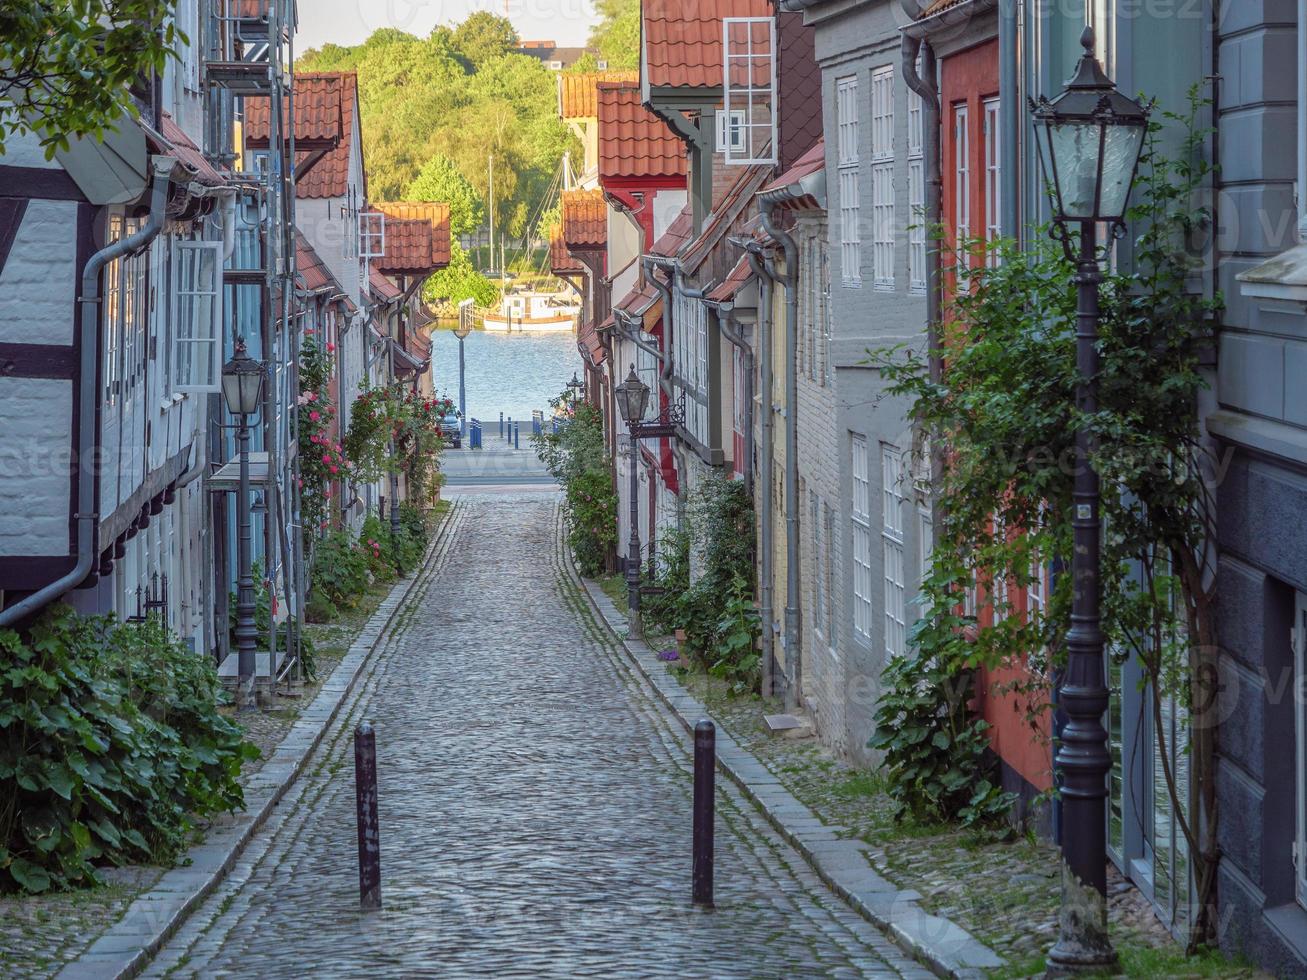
(517, 436)
(705, 770)
(365, 789)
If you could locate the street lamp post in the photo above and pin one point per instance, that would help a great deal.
(242, 390)
(577, 387)
(461, 332)
(632, 397)
(1089, 140)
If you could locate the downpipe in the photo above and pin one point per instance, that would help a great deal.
(665, 378)
(793, 658)
(87, 435)
(766, 592)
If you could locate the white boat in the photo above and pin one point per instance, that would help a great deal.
(534, 312)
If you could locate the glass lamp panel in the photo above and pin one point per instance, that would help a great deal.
(1074, 149)
(1120, 153)
(231, 391)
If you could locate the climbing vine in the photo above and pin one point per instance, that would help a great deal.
(1004, 412)
(411, 421)
(322, 459)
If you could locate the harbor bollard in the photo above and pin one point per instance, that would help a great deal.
(501, 425)
(365, 792)
(517, 436)
(705, 769)
(510, 428)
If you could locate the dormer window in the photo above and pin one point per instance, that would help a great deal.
(749, 88)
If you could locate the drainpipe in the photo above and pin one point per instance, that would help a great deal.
(88, 402)
(794, 667)
(1010, 121)
(765, 535)
(665, 378)
(732, 331)
(926, 88)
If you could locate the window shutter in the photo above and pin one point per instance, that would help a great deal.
(198, 316)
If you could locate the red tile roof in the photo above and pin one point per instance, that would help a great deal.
(683, 43)
(319, 113)
(812, 162)
(577, 91)
(317, 96)
(417, 237)
(589, 343)
(185, 150)
(633, 142)
(561, 261)
(585, 220)
(676, 235)
(739, 278)
(382, 284)
(729, 207)
(312, 271)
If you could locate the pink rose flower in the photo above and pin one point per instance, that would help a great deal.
(314, 416)
(326, 460)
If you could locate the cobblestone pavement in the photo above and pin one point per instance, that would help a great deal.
(535, 811)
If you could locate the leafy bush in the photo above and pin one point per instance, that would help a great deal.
(339, 576)
(577, 458)
(111, 745)
(736, 641)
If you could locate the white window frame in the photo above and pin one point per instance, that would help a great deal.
(993, 180)
(372, 235)
(916, 192)
(730, 137)
(860, 523)
(882, 178)
(756, 98)
(925, 541)
(891, 470)
(849, 178)
(204, 340)
(962, 180)
(1299, 640)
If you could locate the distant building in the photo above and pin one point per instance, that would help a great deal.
(553, 57)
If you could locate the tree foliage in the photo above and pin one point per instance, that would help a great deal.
(459, 281)
(616, 37)
(47, 48)
(440, 180)
(484, 36)
(456, 95)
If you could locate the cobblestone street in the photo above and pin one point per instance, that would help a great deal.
(535, 809)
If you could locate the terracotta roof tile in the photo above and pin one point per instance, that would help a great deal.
(589, 342)
(381, 284)
(577, 91)
(739, 277)
(319, 112)
(311, 270)
(728, 209)
(435, 216)
(633, 142)
(315, 95)
(185, 150)
(813, 161)
(683, 44)
(585, 220)
(938, 7)
(676, 235)
(561, 261)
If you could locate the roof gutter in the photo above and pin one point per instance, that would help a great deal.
(88, 440)
(945, 19)
(811, 185)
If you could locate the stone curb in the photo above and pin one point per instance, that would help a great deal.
(128, 946)
(943, 946)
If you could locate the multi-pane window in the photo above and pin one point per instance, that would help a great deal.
(891, 468)
(197, 316)
(827, 571)
(1300, 725)
(124, 316)
(846, 162)
(828, 369)
(925, 539)
(993, 181)
(916, 193)
(882, 177)
(961, 178)
(814, 325)
(860, 520)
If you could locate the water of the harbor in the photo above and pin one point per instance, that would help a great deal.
(510, 373)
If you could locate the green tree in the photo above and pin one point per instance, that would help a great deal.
(441, 181)
(66, 67)
(484, 36)
(459, 281)
(616, 37)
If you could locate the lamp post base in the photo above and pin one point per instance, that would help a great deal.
(1082, 944)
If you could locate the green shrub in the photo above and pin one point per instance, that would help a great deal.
(576, 455)
(339, 575)
(111, 745)
(738, 660)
